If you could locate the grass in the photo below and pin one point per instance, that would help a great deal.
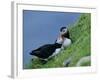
(80, 35)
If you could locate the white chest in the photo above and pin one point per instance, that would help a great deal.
(66, 42)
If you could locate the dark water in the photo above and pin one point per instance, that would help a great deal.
(41, 27)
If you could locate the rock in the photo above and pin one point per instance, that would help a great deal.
(83, 60)
(67, 62)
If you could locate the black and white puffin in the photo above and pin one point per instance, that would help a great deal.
(49, 50)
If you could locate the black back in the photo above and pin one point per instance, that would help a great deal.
(46, 50)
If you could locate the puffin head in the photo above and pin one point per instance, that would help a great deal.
(64, 32)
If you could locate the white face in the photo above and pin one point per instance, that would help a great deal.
(59, 40)
(63, 31)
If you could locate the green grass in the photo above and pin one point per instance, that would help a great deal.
(80, 35)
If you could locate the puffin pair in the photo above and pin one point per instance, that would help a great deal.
(47, 51)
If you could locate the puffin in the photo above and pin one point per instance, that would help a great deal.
(47, 51)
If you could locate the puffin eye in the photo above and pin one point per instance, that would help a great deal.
(64, 30)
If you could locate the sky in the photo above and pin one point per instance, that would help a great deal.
(42, 27)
